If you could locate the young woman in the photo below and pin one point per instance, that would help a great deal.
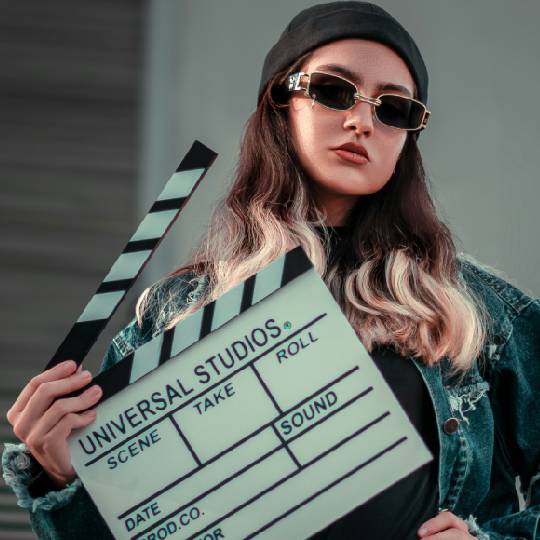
(330, 161)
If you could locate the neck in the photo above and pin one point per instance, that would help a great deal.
(337, 206)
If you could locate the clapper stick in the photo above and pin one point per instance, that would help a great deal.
(138, 251)
(172, 342)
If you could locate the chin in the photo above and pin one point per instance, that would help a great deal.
(351, 188)
(350, 183)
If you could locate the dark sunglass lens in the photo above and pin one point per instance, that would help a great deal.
(400, 112)
(331, 91)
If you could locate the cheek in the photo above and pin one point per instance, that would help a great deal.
(302, 129)
(308, 123)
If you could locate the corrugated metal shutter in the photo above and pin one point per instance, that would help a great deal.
(69, 99)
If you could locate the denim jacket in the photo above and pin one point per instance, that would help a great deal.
(488, 424)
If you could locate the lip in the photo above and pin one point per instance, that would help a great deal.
(355, 148)
(352, 157)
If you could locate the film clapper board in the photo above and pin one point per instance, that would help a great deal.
(261, 415)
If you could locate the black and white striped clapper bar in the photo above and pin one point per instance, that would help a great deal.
(213, 315)
(138, 251)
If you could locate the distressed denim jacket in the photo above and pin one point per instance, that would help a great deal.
(488, 425)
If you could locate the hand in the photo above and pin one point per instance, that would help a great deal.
(445, 526)
(45, 426)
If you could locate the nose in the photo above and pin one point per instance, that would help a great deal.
(360, 118)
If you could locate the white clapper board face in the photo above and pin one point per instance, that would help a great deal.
(259, 416)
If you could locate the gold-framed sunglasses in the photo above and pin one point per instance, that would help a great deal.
(339, 94)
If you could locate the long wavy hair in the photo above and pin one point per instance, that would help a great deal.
(395, 275)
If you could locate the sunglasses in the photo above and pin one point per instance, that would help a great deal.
(339, 94)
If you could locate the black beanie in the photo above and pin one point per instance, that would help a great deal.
(323, 23)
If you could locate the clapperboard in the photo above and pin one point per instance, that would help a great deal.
(261, 415)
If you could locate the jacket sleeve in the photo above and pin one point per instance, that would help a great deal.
(70, 512)
(515, 385)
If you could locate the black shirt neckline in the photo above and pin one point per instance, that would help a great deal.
(336, 229)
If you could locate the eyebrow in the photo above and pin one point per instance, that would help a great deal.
(342, 70)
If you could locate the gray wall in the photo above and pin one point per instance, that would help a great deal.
(69, 109)
(480, 148)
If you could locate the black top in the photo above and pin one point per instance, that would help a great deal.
(398, 511)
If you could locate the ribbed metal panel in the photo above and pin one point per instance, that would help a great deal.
(69, 108)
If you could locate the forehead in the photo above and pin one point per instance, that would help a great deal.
(372, 62)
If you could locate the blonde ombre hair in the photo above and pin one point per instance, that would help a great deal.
(398, 280)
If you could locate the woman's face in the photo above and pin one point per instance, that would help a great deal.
(317, 131)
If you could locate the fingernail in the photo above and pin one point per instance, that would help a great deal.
(95, 390)
(68, 364)
(85, 374)
(422, 531)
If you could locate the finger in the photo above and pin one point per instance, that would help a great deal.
(52, 447)
(450, 534)
(57, 372)
(42, 399)
(63, 429)
(61, 407)
(444, 520)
